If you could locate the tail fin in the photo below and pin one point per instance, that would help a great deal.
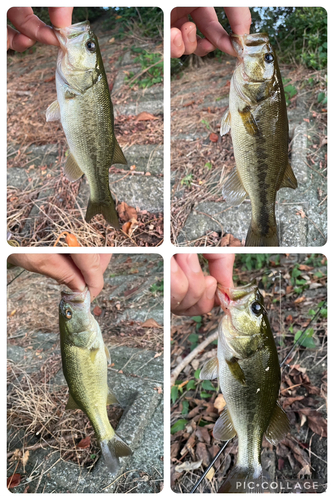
(242, 480)
(113, 449)
(106, 209)
(256, 239)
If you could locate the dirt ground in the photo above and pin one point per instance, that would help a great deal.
(125, 310)
(295, 290)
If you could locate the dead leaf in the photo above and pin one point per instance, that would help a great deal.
(133, 167)
(301, 213)
(25, 458)
(157, 354)
(112, 40)
(203, 435)
(188, 466)
(210, 474)
(150, 323)
(84, 443)
(203, 454)
(213, 137)
(97, 311)
(299, 300)
(13, 480)
(126, 212)
(13, 312)
(129, 227)
(47, 80)
(228, 240)
(143, 116)
(220, 402)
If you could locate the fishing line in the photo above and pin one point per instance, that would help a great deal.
(296, 344)
(19, 274)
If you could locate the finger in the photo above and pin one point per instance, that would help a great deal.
(204, 46)
(179, 285)
(176, 43)
(90, 267)
(17, 41)
(61, 17)
(206, 301)
(104, 261)
(59, 267)
(240, 19)
(221, 267)
(189, 264)
(207, 22)
(25, 21)
(189, 37)
(180, 13)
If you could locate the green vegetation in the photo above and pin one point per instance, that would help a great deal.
(148, 20)
(252, 261)
(158, 288)
(187, 180)
(151, 69)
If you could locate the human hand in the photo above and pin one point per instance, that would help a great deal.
(184, 39)
(192, 293)
(30, 29)
(75, 270)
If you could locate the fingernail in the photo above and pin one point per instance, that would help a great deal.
(174, 266)
(192, 36)
(178, 40)
(210, 292)
(193, 263)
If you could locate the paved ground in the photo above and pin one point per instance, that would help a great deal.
(135, 376)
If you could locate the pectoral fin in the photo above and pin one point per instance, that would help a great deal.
(53, 112)
(92, 353)
(233, 190)
(278, 426)
(226, 122)
(71, 404)
(249, 121)
(289, 180)
(236, 370)
(72, 170)
(118, 156)
(224, 428)
(209, 370)
(111, 398)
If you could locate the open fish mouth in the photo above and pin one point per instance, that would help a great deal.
(228, 295)
(76, 298)
(73, 31)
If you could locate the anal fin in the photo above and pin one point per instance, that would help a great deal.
(118, 156)
(72, 170)
(71, 404)
(224, 428)
(278, 426)
(289, 180)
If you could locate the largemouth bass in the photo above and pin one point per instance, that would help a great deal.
(248, 370)
(258, 121)
(85, 359)
(85, 110)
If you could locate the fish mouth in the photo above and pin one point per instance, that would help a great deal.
(249, 44)
(228, 295)
(76, 298)
(69, 32)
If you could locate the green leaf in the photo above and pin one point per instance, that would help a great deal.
(197, 372)
(198, 319)
(174, 393)
(185, 407)
(179, 425)
(323, 312)
(208, 165)
(191, 385)
(307, 340)
(193, 338)
(321, 96)
(205, 395)
(207, 386)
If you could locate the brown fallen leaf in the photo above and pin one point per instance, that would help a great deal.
(228, 240)
(220, 402)
(47, 80)
(299, 300)
(126, 212)
(84, 443)
(97, 311)
(188, 466)
(213, 137)
(130, 226)
(210, 474)
(143, 116)
(13, 480)
(150, 323)
(203, 454)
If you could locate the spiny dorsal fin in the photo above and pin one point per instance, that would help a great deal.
(209, 370)
(224, 428)
(233, 190)
(278, 426)
(71, 404)
(72, 170)
(289, 180)
(53, 112)
(118, 156)
(226, 122)
(111, 398)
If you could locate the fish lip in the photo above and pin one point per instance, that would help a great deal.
(68, 32)
(226, 295)
(76, 297)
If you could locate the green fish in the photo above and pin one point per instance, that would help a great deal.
(85, 359)
(257, 118)
(249, 376)
(85, 110)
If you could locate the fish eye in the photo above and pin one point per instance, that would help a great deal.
(256, 308)
(91, 46)
(68, 313)
(268, 58)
